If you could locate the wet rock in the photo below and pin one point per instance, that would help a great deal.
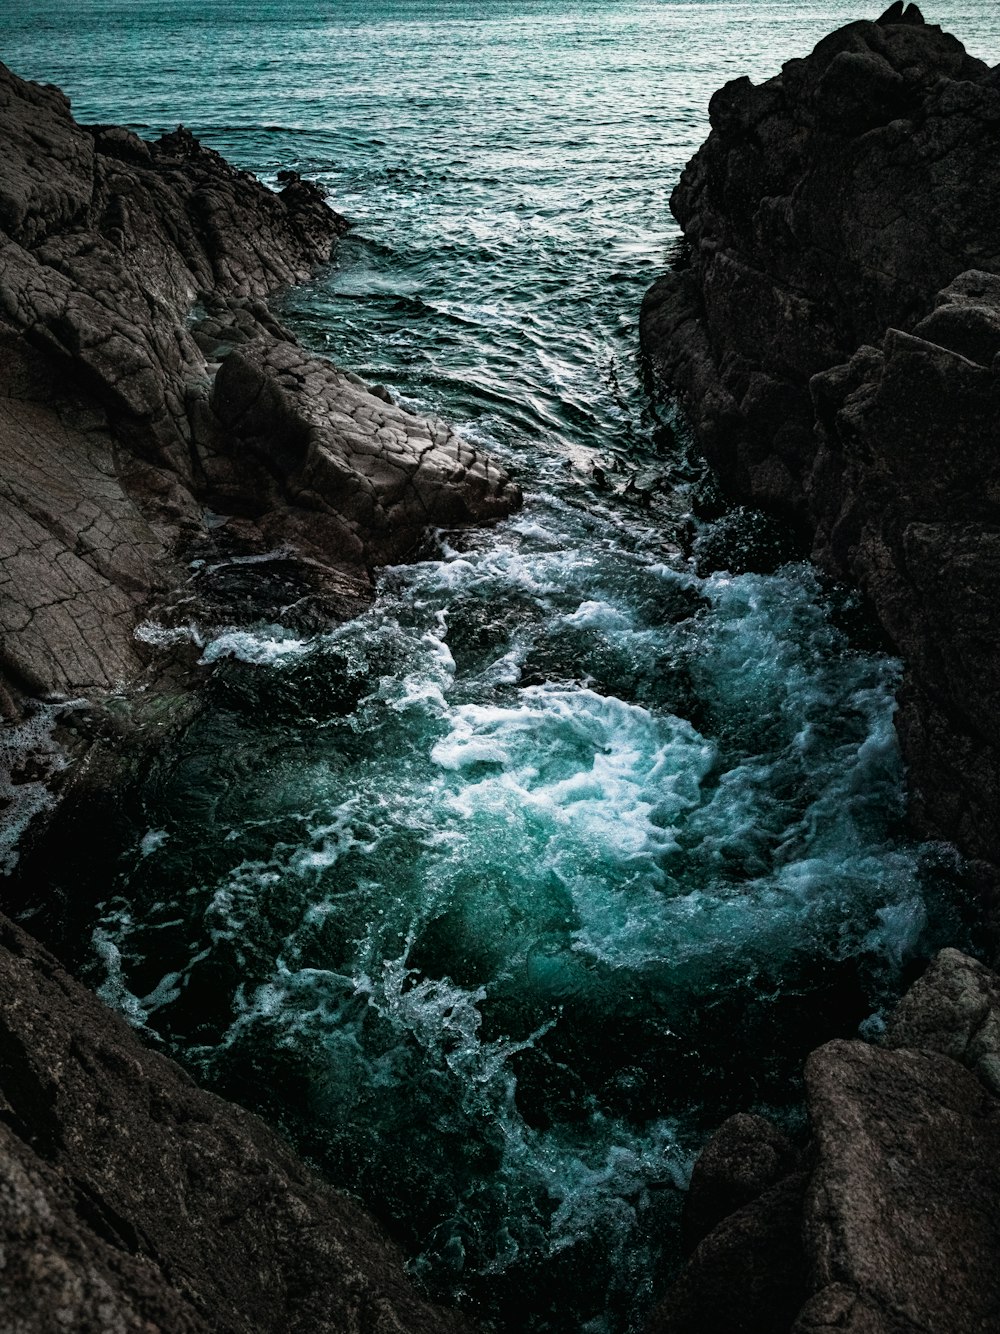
(132, 1201)
(128, 271)
(133, 472)
(833, 328)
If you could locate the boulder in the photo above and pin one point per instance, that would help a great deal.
(748, 1275)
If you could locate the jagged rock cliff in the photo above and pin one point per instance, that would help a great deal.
(834, 328)
(130, 272)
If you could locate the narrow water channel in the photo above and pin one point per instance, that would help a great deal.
(498, 898)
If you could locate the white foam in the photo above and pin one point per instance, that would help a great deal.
(602, 616)
(30, 742)
(114, 990)
(270, 646)
(151, 841)
(166, 636)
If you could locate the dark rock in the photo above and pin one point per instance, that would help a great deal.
(953, 1009)
(110, 447)
(373, 475)
(746, 1156)
(834, 337)
(749, 1274)
(902, 1206)
(132, 1201)
(894, 1228)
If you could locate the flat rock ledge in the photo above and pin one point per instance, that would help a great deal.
(888, 1221)
(152, 407)
(833, 327)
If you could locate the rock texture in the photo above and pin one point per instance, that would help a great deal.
(132, 1201)
(833, 329)
(889, 1222)
(130, 272)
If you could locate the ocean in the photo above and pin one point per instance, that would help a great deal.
(497, 899)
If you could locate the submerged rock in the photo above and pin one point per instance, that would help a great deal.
(833, 329)
(121, 441)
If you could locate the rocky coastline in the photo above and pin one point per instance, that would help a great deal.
(833, 327)
(154, 411)
(161, 433)
(167, 449)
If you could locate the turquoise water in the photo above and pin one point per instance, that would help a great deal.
(498, 898)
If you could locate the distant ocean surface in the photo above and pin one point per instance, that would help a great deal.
(498, 899)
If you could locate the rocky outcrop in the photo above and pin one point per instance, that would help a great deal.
(132, 1201)
(887, 1222)
(130, 272)
(833, 328)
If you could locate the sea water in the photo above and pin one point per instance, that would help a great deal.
(499, 897)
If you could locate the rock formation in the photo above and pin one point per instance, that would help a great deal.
(888, 1223)
(144, 384)
(833, 326)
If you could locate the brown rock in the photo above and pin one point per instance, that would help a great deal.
(902, 1206)
(953, 1009)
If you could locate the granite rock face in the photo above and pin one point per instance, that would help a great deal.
(887, 1223)
(132, 1201)
(833, 331)
(129, 273)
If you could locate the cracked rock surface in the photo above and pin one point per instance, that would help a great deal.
(143, 380)
(834, 331)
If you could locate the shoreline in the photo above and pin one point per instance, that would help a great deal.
(117, 1235)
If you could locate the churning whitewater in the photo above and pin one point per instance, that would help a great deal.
(500, 897)
(498, 894)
